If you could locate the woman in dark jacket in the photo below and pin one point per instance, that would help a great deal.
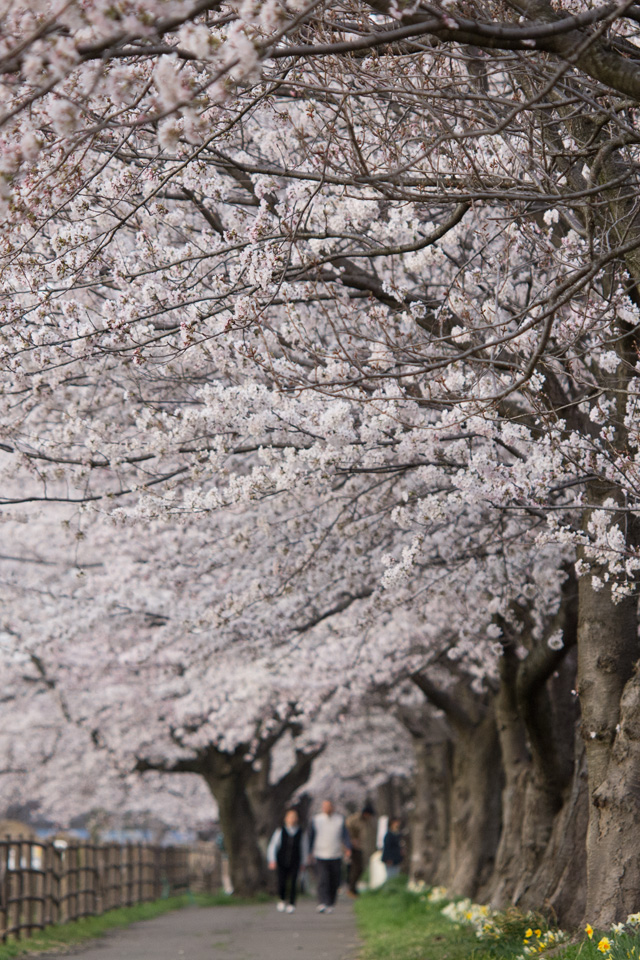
(286, 855)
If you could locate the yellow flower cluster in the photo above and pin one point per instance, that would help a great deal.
(535, 941)
(611, 947)
(491, 925)
(479, 917)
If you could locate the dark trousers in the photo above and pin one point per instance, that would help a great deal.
(328, 873)
(356, 867)
(288, 875)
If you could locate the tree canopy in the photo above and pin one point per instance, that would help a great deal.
(339, 304)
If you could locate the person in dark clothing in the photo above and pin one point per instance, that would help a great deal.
(286, 854)
(392, 852)
(361, 827)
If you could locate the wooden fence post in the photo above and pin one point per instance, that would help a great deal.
(4, 888)
(28, 887)
(46, 884)
(127, 873)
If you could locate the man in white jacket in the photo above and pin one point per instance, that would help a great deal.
(328, 842)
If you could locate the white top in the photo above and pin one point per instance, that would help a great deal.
(328, 836)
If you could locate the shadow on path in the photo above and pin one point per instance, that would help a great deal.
(232, 933)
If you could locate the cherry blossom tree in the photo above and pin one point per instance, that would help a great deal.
(206, 690)
(362, 277)
(120, 662)
(52, 764)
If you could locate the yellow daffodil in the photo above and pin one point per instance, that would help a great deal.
(538, 933)
(528, 934)
(589, 930)
(604, 946)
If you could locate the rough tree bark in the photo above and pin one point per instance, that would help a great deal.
(475, 806)
(516, 764)
(227, 778)
(429, 823)
(610, 705)
(560, 883)
(608, 630)
(536, 715)
(476, 782)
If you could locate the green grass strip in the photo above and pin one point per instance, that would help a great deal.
(396, 924)
(61, 937)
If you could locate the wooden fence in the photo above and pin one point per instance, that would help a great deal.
(54, 882)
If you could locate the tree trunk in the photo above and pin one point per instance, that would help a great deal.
(265, 812)
(391, 797)
(516, 765)
(535, 707)
(551, 719)
(475, 807)
(269, 800)
(476, 784)
(429, 822)
(612, 732)
(538, 775)
(248, 871)
(560, 883)
(610, 704)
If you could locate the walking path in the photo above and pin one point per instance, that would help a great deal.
(233, 933)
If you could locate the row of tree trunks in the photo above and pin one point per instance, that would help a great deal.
(493, 828)
(608, 685)
(527, 796)
(505, 790)
(429, 825)
(566, 832)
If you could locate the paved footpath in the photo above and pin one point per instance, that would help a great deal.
(233, 933)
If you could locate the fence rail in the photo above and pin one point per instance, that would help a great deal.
(52, 882)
